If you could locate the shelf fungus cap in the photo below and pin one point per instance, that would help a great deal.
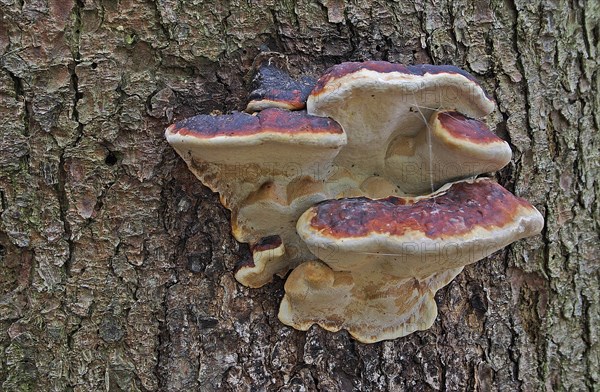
(377, 101)
(234, 154)
(461, 223)
(470, 137)
(444, 85)
(267, 255)
(274, 88)
(451, 147)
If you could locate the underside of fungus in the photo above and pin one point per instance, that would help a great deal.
(365, 188)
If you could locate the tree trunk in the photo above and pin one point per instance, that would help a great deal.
(116, 263)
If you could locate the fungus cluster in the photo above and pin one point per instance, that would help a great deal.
(364, 185)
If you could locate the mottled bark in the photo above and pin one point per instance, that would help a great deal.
(116, 263)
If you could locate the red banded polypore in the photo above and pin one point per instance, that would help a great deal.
(369, 194)
(387, 252)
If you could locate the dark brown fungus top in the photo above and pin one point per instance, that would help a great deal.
(246, 262)
(344, 69)
(241, 124)
(459, 210)
(295, 98)
(275, 85)
(266, 243)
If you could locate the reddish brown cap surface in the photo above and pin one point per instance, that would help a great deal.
(344, 69)
(415, 237)
(460, 126)
(378, 102)
(461, 209)
(241, 124)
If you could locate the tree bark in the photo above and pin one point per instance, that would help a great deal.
(116, 263)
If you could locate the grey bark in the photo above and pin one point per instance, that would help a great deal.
(116, 263)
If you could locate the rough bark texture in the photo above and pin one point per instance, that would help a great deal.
(116, 263)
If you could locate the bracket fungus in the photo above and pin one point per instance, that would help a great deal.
(369, 195)
(274, 88)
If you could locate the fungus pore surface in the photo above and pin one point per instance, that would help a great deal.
(364, 184)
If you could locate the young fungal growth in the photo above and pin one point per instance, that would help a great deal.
(369, 195)
(267, 256)
(273, 88)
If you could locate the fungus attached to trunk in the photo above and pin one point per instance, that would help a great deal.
(414, 237)
(369, 195)
(392, 249)
(236, 154)
(253, 161)
(376, 102)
